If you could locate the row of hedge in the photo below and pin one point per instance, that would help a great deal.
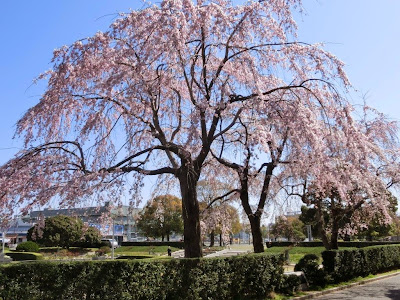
(242, 277)
(342, 265)
(149, 243)
(361, 244)
(17, 256)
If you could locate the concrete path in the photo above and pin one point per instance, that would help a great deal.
(388, 288)
(222, 253)
(178, 254)
(226, 253)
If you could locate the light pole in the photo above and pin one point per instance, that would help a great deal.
(3, 245)
(309, 233)
(112, 242)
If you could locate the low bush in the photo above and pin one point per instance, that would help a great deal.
(25, 256)
(343, 265)
(314, 274)
(154, 244)
(28, 246)
(252, 276)
(357, 244)
(290, 284)
(103, 250)
(134, 256)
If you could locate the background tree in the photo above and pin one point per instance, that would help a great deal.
(59, 231)
(217, 215)
(376, 226)
(161, 217)
(308, 217)
(350, 179)
(91, 237)
(368, 227)
(222, 219)
(288, 227)
(336, 217)
(396, 228)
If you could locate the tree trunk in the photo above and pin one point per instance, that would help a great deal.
(255, 224)
(254, 218)
(162, 238)
(212, 238)
(220, 239)
(168, 237)
(191, 213)
(321, 228)
(335, 234)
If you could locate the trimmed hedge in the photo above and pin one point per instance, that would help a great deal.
(320, 244)
(28, 246)
(310, 266)
(298, 244)
(25, 256)
(252, 276)
(148, 243)
(134, 256)
(343, 265)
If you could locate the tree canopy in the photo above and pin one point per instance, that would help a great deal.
(166, 85)
(63, 231)
(288, 227)
(161, 217)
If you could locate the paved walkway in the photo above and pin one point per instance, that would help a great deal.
(388, 288)
(226, 253)
(222, 253)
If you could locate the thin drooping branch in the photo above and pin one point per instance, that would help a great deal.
(224, 196)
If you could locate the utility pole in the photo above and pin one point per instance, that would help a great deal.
(309, 233)
(112, 244)
(3, 245)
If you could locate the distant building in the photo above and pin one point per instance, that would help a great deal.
(123, 219)
(17, 232)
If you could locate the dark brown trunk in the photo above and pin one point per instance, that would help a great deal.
(254, 219)
(162, 238)
(321, 228)
(212, 238)
(190, 213)
(220, 239)
(168, 237)
(255, 224)
(335, 233)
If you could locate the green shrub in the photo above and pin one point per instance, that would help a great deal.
(255, 275)
(28, 246)
(134, 256)
(243, 277)
(347, 264)
(310, 266)
(290, 284)
(103, 250)
(25, 256)
(315, 243)
(154, 244)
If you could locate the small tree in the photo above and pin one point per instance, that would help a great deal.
(377, 227)
(91, 237)
(161, 217)
(28, 246)
(289, 227)
(59, 231)
(217, 216)
(308, 217)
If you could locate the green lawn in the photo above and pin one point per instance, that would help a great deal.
(295, 253)
(143, 250)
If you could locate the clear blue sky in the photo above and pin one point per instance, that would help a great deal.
(365, 34)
